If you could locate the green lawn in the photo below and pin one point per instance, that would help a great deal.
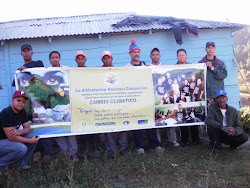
(195, 166)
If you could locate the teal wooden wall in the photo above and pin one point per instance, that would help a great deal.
(10, 58)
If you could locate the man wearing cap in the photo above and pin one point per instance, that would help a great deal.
(134, 52)
(171, 131)
(16, 142)
(107, 60)
(216, 72)
(223, 124)
(80, 58)
(27, 52)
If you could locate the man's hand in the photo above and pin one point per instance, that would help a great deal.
(34, 139)
(22, 68)
(209, 64)
(229, 130)
(13, 132)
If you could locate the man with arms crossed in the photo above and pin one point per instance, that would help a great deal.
(16, 142)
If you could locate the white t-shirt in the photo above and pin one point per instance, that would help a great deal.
(154, 65)
(223, 111)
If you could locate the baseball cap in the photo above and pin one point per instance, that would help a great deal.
(108, 53)
(20, 93)
(221, 92)
(80, 53)
(26, 46)
(210, 44)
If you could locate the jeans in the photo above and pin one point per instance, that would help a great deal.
(15, 153)
(110, 141)
(68, 144)
(171, 133)
(153, 140)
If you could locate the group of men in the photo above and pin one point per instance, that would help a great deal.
(18, 144)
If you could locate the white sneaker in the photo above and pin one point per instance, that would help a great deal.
(176, 144)
(141, 151)
(159, 149)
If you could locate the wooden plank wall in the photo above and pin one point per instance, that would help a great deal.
(118, 44)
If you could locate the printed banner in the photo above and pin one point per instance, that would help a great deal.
(74, 101)
(111, 100)
(179, 95)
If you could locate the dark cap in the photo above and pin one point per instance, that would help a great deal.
(20, 93)
(210, 44)
(26, 46)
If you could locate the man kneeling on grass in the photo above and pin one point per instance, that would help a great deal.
(223, 124)
(17, 144)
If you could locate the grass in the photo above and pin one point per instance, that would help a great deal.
(195, 166)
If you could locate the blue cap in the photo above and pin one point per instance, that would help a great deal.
(221, 92)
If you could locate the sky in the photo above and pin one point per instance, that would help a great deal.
(213, 10)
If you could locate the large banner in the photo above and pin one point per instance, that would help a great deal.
(74, 101)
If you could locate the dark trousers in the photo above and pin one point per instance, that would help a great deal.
(194, 134)
(218, 136)
(139, 138)
(45, 146)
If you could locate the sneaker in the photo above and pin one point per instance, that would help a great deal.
(197, 142)
(47, 158)
(111, 154)
(74, 157)
(176, 144)
(216, 150)
(141, 151)
(3, 173)
(37, 156)
(26, 167)
(123, 152)
(159, 149)
(185, 145)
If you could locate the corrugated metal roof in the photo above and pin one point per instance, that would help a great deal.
(86, 25)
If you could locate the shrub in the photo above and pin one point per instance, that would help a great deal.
(245, 118)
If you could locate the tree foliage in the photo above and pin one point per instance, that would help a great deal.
(242, 51)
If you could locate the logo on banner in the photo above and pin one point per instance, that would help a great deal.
(111, 79)
(143, 122)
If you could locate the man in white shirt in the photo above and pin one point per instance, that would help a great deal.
(223, 124)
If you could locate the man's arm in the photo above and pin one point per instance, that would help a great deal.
(237, 125)
(26, 130)
(220, 72)
(210, 119)
(11, 134)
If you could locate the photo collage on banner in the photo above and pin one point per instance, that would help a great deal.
(179, 93)
(48, 107)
